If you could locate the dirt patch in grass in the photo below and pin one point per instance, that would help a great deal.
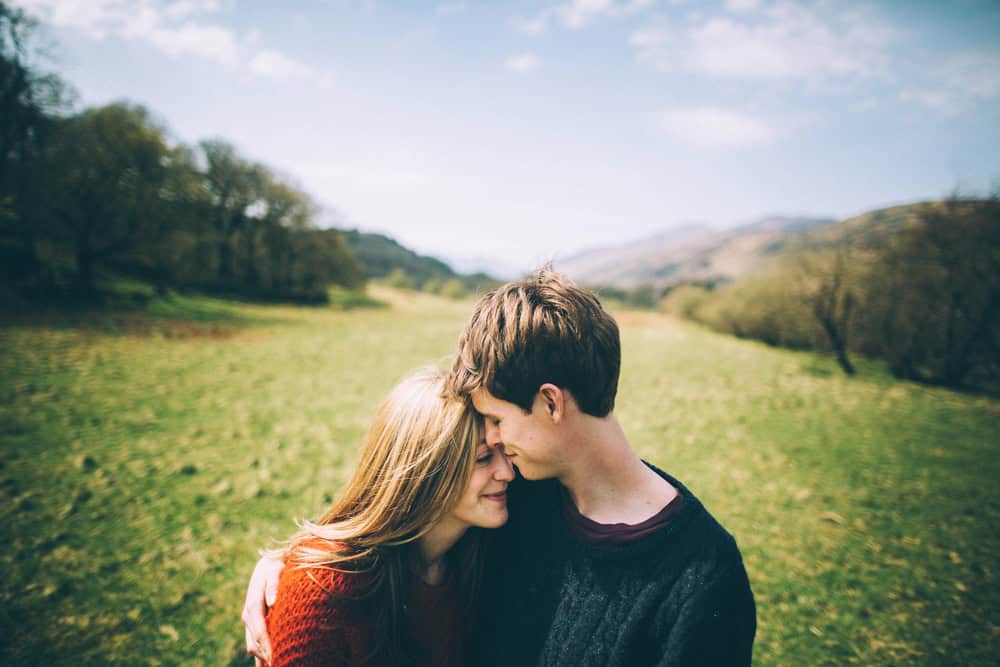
(145, 327)
(139, 325)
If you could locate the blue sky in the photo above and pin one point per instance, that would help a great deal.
(508, 133)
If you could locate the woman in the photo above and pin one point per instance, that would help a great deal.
(389, 574)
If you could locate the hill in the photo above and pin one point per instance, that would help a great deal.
(690, 253)
(871, 228)
(382, 255)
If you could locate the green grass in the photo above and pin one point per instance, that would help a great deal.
(143, 465)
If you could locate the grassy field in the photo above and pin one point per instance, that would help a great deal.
(147, 456)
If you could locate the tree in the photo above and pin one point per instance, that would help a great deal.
(280, 250)
(174, 256)
(826, 287)
(104, 172)
(324, 258)
(284, 210)
(642, 296)
(934, 295)
(453, 289)
(103, 190)
(684, 300)
(27, 97)
(28, 100)
(432, 285)
(233, 186)
(399, 279)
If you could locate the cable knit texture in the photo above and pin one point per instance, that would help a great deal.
(677, 597)
(313, 621)
(319, 620)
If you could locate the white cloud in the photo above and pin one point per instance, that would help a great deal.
(276, 65)
(711, 127)
(779, 42)
(522, 62)
(532, 26)
(957, 82)
(579, 13)
(173, 27)
(740, 6)
(90, 17)
(209, 42)
(181, 9)
(649, 38)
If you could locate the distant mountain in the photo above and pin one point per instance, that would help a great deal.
(480, 264)
(382, 254)
(690, 252)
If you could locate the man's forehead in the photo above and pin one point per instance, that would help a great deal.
(480, 399)
(483, 401)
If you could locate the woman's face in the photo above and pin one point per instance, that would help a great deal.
(484, 502)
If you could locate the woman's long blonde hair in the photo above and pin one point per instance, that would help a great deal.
(416, 462)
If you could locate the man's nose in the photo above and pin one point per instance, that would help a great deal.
(504, 471)
(492, 435)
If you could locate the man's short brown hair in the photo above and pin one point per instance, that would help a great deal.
(537, 330)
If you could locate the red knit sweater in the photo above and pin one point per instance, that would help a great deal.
(315, 622)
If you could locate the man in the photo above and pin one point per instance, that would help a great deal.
(605, 560)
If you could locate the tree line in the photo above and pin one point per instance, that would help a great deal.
(104, 192)
(918, 288)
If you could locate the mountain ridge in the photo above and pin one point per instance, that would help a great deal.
(692, 252)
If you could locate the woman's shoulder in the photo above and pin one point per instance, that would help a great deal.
(309, 577)
(317, 580)
(301, 577)
(319, 612)
(318, 591)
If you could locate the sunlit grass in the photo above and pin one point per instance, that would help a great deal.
(144, 463)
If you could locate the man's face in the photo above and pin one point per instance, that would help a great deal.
(528, 439)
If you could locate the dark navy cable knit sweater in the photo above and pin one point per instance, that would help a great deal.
(677, 597)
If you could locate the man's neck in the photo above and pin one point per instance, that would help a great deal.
(607, 480)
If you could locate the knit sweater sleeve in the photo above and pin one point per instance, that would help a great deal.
(715, 626)
(308, 624)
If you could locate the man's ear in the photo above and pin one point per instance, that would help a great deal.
(553, 401)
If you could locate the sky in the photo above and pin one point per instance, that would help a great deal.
(499, 135)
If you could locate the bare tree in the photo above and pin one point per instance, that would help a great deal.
(827, 289)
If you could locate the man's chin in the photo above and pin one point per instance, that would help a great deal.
(526, 472)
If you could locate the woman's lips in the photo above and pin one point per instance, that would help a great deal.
(500, 496)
